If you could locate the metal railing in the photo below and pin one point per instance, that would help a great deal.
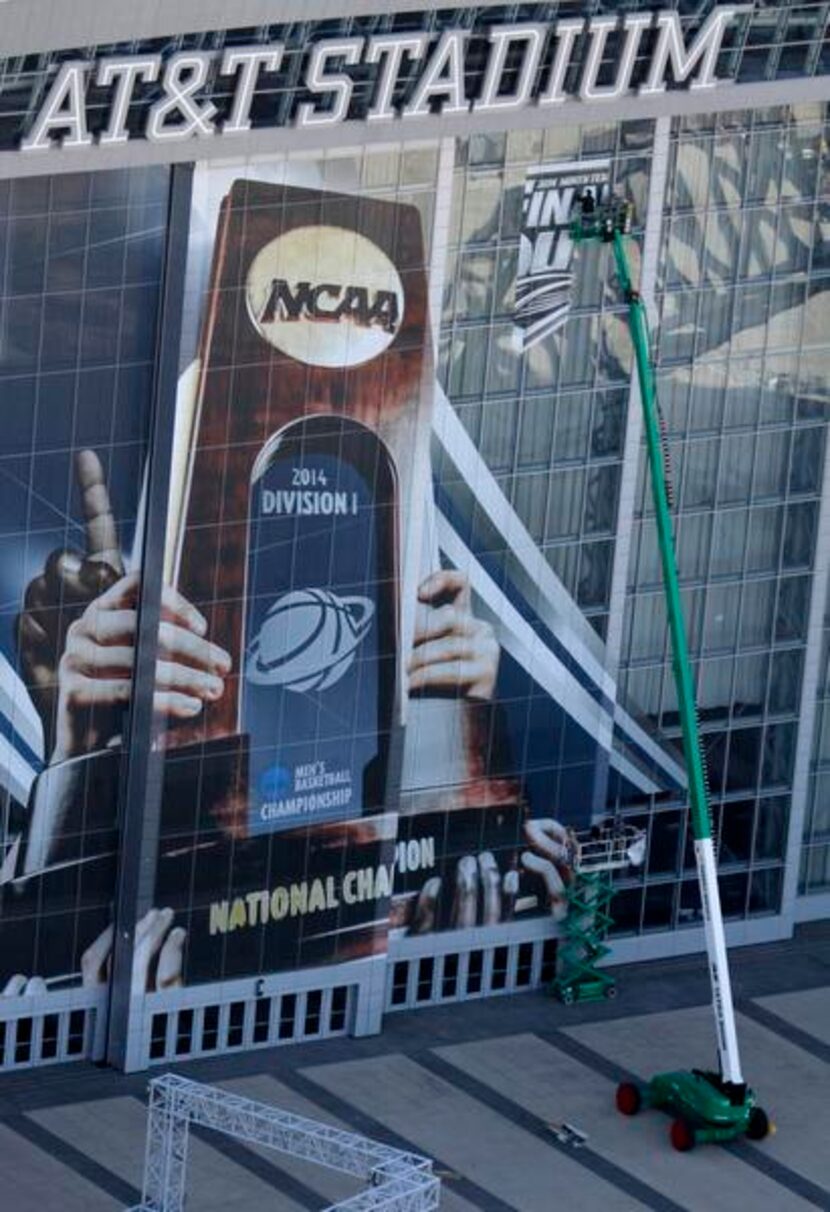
(435, 969)
(284, 1008)
(60, 1026)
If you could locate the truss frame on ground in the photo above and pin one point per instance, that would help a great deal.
(396, 1181)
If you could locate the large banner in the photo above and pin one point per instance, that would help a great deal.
(311, 408)
(79, 307)
(377, 707)
(352, 745)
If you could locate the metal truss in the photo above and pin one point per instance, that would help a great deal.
(396, 1181)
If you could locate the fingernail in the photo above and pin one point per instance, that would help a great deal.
(199, 622)
(192, 706)
(215, 686)
(222, 659)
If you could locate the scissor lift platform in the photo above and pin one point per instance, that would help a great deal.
(595, 854)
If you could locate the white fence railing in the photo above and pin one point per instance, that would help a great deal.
(441, 968)
(60, 1026)
(292, 1007)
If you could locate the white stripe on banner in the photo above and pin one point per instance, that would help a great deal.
(18, 709)
(16, 775)
(539, 585)
(518, 638)
(536, 581)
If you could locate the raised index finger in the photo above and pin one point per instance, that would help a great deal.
(101, 535)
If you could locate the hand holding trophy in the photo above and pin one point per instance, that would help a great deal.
(454, 653)
(69, 582)
(77, 637)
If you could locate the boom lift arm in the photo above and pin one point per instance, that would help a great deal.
(709, 1106)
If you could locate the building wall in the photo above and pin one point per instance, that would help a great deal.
(740, 351)
(814, 875)
(128, 328)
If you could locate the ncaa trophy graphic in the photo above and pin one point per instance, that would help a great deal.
(310, 423)
(298, 531)
(320, 614)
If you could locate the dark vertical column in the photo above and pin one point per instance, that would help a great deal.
(142, 778)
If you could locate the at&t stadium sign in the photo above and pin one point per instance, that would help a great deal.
(404, 76)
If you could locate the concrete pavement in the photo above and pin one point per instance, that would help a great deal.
(480, 1088)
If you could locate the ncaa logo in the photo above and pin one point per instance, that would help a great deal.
(326, 296)
(308, 640)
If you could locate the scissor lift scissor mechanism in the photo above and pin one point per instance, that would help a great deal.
(594, 854)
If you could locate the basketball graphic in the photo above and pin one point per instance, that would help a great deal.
(308, 640)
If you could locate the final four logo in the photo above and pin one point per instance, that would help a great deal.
(326, 296)
(544, 278)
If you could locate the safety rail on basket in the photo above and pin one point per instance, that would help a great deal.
(607, 847)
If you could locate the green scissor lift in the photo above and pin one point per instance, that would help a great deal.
(594, 857)
(582, 945)
(708, 1106)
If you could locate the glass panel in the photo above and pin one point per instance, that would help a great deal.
(771, 831)
(736, 470)
(737, 825)
(694, 532)
(728, 543)
(564, 514)
(765, 891)
(764, 540)
(744, 758)
(758, 243)
(757, 608)
(721, 617)
(807, 460)
(778, 754)
(750, 685)
(658, 906)
(785, 680)
(700, 473)
(664, 843)
(791, 614)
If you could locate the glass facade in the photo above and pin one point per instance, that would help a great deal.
(815, 858)
(549, 423)
(742, 370)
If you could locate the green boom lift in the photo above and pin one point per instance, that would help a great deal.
(707, 1106)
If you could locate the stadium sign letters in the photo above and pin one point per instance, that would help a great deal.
(412, 76)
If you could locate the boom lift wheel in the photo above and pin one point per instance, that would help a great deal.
(682, 1136)
(759, 1124)
(629, 1098)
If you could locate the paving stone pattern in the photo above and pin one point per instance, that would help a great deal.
(481, 1088)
